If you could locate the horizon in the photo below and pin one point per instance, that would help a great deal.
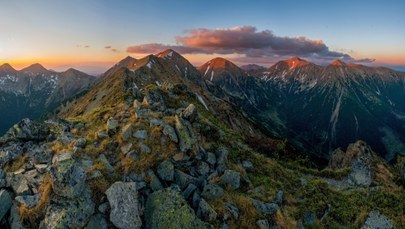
(81, 35)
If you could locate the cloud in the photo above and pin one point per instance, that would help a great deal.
(114, 50)
(250, 44)
(155, 48)
(87, 46)
(107, 47)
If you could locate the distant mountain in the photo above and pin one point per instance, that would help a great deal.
(253, 69)
(32, 91)
(321, 108)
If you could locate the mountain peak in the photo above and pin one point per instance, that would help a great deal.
(167, 53)
(35, 69)
(296, 62)
(338, 62)
(7, 68)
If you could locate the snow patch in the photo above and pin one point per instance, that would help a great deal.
(149, 65)
(201, 100)
(212, 75)
(206, 71)
(157, 83)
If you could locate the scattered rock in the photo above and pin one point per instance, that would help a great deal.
(178, 157)
(231, 178)
(123, 199)
(102, 134)
(206, 212)
(41, 168)
(279, 198)
(203, 168)
(265, 208)
(182, 179)
(106, 163)
(309, 218)
(189, 190)
(126, 132)
(376, 220)
(68, 178)
(28, 201)
(97, 222)
(165, 170)
(171, 133)
(247, 165)
(263, 224)
(5, 203)
(211, 159)
(167, 209)
(145, 148)
(212, 191)
(112, 125)
(141, 134)
(104, 207)
(222, 159)
(14, 218)
(80, 143)
(154, 181)
(190, 113)
(233, 210)
(137, 105)
(155, 100)
(19, 184)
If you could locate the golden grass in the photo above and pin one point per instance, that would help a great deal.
(16, 164)
(285, 221)
(33, 216)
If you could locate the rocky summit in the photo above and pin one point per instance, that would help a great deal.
(156, 143)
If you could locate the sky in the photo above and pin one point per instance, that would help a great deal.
(92, 35)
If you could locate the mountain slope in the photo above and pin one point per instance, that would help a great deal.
(34, 90)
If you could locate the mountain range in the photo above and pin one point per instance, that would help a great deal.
(34, 90)
(157, 143)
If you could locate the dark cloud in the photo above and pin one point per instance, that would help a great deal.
(87, 46)
(107, 47)
(114, 50)
(251, 44)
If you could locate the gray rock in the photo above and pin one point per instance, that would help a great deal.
(361, 174)
(107, 164)
(279, 197)
(127, 148)
(165, 170)
(28, 201)
(104, 207)
(155, 122)
(5, 203)
(95, 174)
(182, 179)
(154, 181)
(376, 220)
(41, 168)
(222, 159)
(309, 218)
(212, 191)
(80, 143)
(233, 210)
(14, 219)
(73, 212)
(68, 177)
(123, 199)
(3, 180)
(190, 113)
(141, 134)
(102, 134)
(211, 159)
(112, 124)
(145, 148)
(167, 209)
(206, 212)
(203, 168)
(97, 222)
(126, 132)
(143, 113)
(263, 224)
(185, 134)
(133, 155)
(189, 190)
(265, 208)
(231, 178)
(171, 133)
(19, 184)
(155, 100)
(247, 165)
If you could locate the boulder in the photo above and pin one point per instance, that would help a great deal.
(14, 218)
(212, 191)
(97, 222)
(265, 208)
(183, 179)
(28, 201)
(185, 134)
(189, 190)
(211, 159)
(112, 124)
(203, 168)
(231, 178)
(279, 197)
(376, 220)
(165, 170)
(263, 224)
(155, 100)
(222, 159)
(67, 176)
(361, 174)
(190, 113)
(167, 209)
(154, 181)
(27, 130)
(80, 143)
(73, 212)
(206, 212)
(248, 165)
(5, 203)
(171, 133)
(145, 148)
(233, 210)
(123, 199)
(19, 184)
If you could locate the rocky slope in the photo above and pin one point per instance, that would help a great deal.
(148, 147)
(34, 90)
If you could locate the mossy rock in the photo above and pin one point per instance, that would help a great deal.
(168, 209)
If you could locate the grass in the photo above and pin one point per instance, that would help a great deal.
(32, 217)
(16, 164)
